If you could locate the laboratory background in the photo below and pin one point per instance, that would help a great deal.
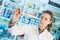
(32, 9)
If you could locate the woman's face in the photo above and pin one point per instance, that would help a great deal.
(44, 20)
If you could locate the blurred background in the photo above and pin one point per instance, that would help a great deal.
(32, 9)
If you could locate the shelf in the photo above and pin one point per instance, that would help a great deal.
(33, 10)
(5, 18)
(56, 17)
(30, 15)
(9, 8)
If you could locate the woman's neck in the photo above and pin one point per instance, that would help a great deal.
(40, 30)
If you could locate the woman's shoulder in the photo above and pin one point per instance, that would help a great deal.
(50, 36)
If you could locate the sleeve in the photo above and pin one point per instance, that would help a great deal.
(31, 33)
(11, 24)
(17, 30)
(13, 30)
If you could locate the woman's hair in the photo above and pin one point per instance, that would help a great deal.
(52, 19)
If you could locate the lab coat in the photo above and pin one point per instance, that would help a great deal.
(46, 35)
(27, 30)
(30, 33)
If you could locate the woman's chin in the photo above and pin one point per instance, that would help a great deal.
(41, 27)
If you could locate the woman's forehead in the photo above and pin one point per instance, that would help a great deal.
(46, 15)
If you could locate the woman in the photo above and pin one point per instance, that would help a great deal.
(46, 20)
(29, 33)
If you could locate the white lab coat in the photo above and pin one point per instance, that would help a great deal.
(30, 33)
(46, 35)
(23, 29)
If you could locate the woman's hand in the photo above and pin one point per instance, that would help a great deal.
(16, 14)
